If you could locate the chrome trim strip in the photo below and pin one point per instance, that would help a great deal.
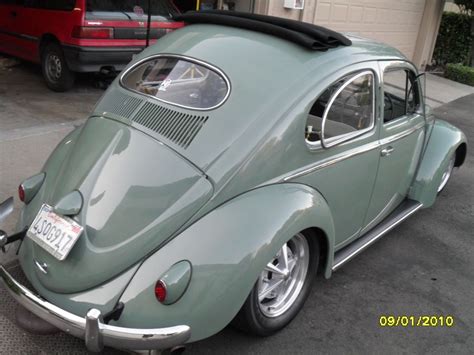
(318, 166)
(401, 135)
(186, 58)
(353, 152)
(377, 236)
(91, 328)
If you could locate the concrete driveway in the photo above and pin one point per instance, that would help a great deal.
(424, 267)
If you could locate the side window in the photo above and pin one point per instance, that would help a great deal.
(345, 109)
(401, 94)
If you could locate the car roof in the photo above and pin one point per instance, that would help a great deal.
(233, 48)
(267, 75)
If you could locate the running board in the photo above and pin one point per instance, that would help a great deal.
(402, 212)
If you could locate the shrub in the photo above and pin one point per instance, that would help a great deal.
(454, 39)
(460, 73)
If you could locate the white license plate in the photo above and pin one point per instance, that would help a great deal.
(56, 234)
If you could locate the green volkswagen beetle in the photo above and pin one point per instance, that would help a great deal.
(227, 166)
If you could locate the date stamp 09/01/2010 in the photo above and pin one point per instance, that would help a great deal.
(412, 321)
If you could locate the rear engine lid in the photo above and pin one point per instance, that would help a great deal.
(137, 193)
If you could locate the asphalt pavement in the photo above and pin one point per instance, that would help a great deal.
(425, 266)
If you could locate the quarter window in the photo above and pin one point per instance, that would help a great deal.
(343, 110)
(178, 81)
(400, 94)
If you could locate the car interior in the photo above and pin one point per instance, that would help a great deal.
(351, 110)
(179, 82)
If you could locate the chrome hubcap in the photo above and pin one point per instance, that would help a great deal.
(281, 281)
(54, 67)
(446, 174)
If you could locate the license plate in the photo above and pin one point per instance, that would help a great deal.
(56, 234)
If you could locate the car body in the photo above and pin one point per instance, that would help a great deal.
(227, 167)
(88, 35)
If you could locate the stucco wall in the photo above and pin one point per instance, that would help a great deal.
(396, 22)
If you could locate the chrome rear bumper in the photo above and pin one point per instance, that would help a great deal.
(91, 328)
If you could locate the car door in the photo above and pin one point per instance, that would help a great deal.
(342, 140)
(401, 139)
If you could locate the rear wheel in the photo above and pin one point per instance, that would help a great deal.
(282, 287)
(56, 73)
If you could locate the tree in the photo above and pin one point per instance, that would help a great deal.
(467, 7)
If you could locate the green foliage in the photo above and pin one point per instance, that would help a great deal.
(454, 39)
(460, 73)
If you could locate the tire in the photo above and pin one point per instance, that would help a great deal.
(447, 174)
(55, 70)
(271, 312)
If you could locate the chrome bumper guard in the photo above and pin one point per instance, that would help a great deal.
(91, 328)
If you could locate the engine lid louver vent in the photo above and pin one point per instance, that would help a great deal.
(118, 104)
(178, 127)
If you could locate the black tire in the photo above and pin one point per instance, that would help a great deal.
(55, 70)
(251, 319)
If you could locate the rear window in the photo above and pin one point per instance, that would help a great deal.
(133, 9)
(179, 81)
(61, 5)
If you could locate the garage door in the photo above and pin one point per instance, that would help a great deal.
(394, 22)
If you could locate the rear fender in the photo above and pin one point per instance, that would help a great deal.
(51, 168)
(442, 144)
(228, 248)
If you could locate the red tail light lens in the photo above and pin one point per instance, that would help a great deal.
(93, 32)
(160, 291)
(21, 193)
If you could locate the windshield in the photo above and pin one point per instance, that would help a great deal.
(133, 9)
(178, 81)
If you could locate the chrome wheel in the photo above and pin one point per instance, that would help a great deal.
(447, 174)
(283, 278)
(54, 67)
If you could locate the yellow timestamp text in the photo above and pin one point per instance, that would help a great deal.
(416, 321)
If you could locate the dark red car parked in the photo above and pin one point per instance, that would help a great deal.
(68, 36)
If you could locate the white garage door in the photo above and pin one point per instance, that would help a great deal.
(394, 22)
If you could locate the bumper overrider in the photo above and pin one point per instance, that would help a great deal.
(91, 328)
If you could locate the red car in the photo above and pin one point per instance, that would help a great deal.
(68, 36)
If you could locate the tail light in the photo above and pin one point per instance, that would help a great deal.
(160, 291)
(30, 187)
(93, 32)
(21, 193)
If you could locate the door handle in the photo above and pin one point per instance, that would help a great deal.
(387, 151)
(13, 13)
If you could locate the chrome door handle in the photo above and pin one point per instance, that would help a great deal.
(387, 151)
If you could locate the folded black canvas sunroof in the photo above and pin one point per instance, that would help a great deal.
(305, 34)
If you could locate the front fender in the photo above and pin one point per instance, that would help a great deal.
(228, 248)
(442, 144)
